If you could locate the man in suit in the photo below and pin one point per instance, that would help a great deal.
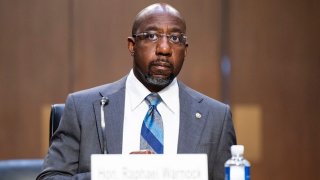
(109, 118)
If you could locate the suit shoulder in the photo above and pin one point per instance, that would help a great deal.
(200, 97)
(98, 91)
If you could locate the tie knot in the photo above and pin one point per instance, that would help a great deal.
(153, 99)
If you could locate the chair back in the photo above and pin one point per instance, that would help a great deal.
(55, 117)
(20, 169)
(28, 169)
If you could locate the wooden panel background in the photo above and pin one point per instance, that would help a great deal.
(51, 48)
(33, 70)
(275, 57)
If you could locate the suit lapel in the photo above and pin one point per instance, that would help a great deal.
(113, 113)
(192, 121)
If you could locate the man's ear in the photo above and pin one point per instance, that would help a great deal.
(186, 49)
(131, 44)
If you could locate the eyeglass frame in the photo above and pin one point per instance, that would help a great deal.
(160, 35)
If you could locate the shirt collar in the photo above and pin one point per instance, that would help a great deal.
(137, 92)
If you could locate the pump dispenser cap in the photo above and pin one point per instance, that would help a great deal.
(237, 150)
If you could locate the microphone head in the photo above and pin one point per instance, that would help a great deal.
(104, 100)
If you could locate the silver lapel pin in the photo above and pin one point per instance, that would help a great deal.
(198, 115)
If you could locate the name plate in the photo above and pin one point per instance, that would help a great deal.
(149, 167)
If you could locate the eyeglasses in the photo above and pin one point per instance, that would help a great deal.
(174, 38)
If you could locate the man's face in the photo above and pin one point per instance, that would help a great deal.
(158, 57)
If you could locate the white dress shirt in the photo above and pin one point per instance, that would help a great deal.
(136, 109)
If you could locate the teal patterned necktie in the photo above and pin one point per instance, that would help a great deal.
(152, 127)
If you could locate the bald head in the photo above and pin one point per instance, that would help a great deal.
(154, 10)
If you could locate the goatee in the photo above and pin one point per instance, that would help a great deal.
(161, 82)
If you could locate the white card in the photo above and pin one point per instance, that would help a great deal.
(149, 167)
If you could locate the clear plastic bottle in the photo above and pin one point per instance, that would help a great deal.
(237, 168)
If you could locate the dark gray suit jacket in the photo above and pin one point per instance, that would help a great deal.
(79, 133)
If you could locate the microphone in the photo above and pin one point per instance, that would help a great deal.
(104, 101)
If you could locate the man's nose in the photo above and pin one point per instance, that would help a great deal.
(163, 47)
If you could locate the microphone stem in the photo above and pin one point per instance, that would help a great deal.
(103, 125)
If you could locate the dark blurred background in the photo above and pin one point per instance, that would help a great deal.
(260, 56)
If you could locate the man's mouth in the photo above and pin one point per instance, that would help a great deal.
(160, 70)
(161, 67)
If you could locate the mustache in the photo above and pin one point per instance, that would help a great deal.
(161, 62)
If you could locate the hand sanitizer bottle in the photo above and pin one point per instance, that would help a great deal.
(237, 168)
